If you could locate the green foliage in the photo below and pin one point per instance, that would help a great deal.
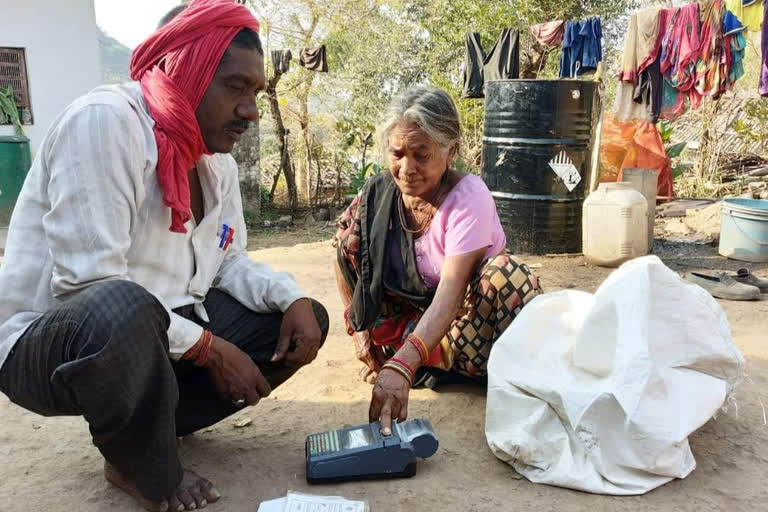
(9, 112)
(674, 151)
(680, 169)
(251, 218)
(363, 173)
(753, 127)
(665, 130)
(462, 165)
(352, 133)
(270, 214)
(265, 199)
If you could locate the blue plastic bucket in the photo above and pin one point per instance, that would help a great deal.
(744, 230)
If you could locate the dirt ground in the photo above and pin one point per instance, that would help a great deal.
(50, 464)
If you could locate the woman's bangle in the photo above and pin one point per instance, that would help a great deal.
(420, 345)
(399, 369)
(402, 367)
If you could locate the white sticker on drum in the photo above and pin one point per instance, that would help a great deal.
(564, 168)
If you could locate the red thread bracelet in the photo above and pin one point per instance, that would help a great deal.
(205, 351)
(201, 351)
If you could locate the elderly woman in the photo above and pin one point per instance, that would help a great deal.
(422, 266)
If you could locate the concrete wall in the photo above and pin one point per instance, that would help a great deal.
(61, 42)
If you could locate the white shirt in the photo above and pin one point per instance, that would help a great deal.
(91, 210)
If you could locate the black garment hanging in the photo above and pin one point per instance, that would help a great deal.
(314, 59)
(502, 63)
(281, 61)
(649, 90)
(474, 59)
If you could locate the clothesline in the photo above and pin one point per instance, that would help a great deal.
(581, 43)
(675, 58)
(313, 59)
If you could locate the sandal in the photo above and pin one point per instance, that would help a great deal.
(744, 276)
(723, 286)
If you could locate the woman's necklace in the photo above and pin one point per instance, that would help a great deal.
(423, 225)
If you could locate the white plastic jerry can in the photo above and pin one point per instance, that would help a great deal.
(614, 225)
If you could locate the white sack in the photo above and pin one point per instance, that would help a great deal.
(600, 392)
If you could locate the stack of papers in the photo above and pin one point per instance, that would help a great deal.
(299, 502)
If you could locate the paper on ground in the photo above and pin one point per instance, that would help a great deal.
(277, 505)
(299, 502)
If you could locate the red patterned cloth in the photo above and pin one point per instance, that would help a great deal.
(495, 296)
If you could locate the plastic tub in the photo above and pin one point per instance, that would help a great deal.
(744, 230)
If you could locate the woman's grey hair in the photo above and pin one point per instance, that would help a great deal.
(431, 109)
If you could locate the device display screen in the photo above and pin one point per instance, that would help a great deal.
(358, 438)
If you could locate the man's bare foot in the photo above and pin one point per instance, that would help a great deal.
(193, 493)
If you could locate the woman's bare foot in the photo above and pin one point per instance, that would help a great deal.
(193, 493)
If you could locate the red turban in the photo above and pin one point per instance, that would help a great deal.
(175, 66)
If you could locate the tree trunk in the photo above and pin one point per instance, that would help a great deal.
(318, 184)
(534, 61)
(275, 180)
(337, 192)
(305, 171)
(282, 136)
(366, 141)
(304, 175)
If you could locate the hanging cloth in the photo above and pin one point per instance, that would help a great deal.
(708, 68)
(632, 145)
(549, 34)
(582, 47)
(652, 79)
(281, 61)
(642, 45)
(679, 54)
(732, 62)
(626, 107)
(503, 61)
(731, 24)
(314, 59)
(649, 25)
(764, 60)
(474, 58)
(639, 94)
(749, 12)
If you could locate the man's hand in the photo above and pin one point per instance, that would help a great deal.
(300, 336)
(235, 375)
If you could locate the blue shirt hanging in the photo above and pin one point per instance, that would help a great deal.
(582, 47)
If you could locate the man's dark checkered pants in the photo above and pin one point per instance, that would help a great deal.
(104, 355)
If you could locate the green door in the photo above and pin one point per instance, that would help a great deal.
(15, 161)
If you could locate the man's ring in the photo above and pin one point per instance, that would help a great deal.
(239, 403)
